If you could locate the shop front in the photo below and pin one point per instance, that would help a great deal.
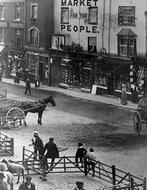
(37, 64)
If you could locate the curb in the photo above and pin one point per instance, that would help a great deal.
(86, 99)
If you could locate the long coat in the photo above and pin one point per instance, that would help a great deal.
(52, 150)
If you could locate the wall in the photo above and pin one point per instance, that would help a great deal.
(81, 36)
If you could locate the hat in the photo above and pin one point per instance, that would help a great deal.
(79, 183)
(36, 133)
(28, 177)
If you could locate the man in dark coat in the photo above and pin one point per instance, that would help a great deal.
(51, 151)
(27, 185)
(80, 153)
(28, 86)
(38, 145)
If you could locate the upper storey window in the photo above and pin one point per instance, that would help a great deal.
(34, 36)
(17, 12)
(64, 15)
(2, 12)
(126, 15)
(93, 15)
(34, 12)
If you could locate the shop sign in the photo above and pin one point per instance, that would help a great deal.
(75, 28)
(79, 3)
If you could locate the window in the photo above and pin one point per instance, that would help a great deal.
(17, 12)
(17, 37)
(93, 15)
(92, 44)
(34, 36)
(2, 13)
(58, 42)
(64, 15)
(34, 12)
(126, 15)
(126, 43)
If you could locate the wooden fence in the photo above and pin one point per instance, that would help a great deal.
(117, 178)
(6, 145)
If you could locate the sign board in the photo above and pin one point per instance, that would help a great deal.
(94, 89)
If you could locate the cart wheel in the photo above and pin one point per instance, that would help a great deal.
(137, 122)
(15, 118)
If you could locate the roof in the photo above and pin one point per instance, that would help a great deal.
(126, 32)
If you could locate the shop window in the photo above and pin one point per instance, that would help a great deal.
(2, 12)
(126, 15)
(34, 12)
(17, 38)
(93, 15)
(1, 35)
(17, 13)
(34, 36)
(64, 15)
(126, 43)
(92, 44)
(58, 42)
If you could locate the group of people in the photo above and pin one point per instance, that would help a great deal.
(50, 150)
(84, 157)
(134, 93)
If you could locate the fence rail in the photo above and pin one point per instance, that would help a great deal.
(117, 178)
(6, 145)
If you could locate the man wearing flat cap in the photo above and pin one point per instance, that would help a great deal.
(51, 151)
(79, 185)
(27, 185)
(38, 145)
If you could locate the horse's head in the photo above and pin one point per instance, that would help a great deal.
(50, 100)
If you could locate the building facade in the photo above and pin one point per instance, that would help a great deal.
(115, 30)
(12, 33)
(39, 27)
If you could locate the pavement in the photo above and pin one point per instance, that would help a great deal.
(78, 94)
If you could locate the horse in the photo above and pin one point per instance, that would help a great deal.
(37, 107)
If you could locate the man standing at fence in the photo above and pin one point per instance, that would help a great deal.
(38, 145)
(51, 152)
(90, 160)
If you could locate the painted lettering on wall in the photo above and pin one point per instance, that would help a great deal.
(79, 3)
(75, 28)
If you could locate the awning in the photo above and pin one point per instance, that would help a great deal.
(126, 32)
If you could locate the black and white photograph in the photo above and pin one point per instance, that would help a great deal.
(73, 94)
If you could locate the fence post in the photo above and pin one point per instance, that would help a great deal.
(85, 166)
(144, 183)
(113, 175)
(132, 183)
(64, 165)
(12, 146)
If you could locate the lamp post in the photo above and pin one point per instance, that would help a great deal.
(50, 71)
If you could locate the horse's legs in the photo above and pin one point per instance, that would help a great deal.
(25, 119)
(40, 117)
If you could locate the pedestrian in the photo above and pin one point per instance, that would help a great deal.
(90, 160)
(80, 153)
(79, 185)
(27, 185)
(28, 86)
(38, 145)
(3, 183)
(51, 152)
(134, 93)
(123, 97)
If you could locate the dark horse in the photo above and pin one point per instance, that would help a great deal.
(37, 107)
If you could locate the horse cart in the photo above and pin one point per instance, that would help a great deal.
(13, 112)
(11, 115)
(140, 115)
